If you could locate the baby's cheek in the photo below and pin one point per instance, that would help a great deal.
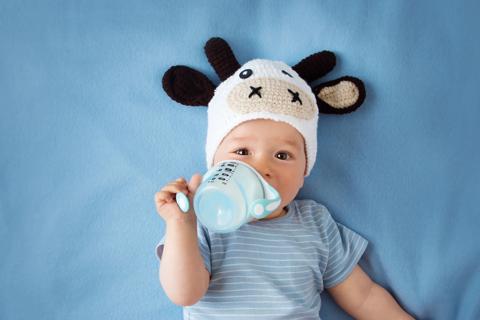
(220, 157)
(288, 190)
(286, 195)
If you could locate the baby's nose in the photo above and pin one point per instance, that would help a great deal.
(271, 95)
(264, 169)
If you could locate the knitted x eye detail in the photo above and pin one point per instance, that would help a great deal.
(295, 96)
(255, 90)
(270, 95)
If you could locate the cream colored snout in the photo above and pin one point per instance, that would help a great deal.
(271, 95)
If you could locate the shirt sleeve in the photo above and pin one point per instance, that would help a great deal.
(203, 244)
(345, 248)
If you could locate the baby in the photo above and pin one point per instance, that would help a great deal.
(264, 114)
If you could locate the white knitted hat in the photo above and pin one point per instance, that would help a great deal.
(263, 89)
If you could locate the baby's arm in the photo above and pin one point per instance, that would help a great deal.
(362, 298)
(182, 271)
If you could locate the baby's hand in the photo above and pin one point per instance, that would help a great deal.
(165, 201)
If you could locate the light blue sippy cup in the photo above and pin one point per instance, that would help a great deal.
(231, 194)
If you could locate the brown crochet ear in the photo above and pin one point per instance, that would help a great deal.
(315, 66)
(188, 86)
(340, 96)
(221, 57)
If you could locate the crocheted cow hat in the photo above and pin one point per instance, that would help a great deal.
(263, 89)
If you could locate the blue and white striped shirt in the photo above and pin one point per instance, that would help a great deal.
(277, 268)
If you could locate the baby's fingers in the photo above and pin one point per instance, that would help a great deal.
(176, 187)
(167, 195)
(163, 197)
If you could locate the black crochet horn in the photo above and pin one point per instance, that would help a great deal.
(315, 66)
(221, 57)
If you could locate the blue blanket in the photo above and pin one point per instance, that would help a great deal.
(87, 136)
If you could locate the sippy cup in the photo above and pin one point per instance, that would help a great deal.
(231, 194)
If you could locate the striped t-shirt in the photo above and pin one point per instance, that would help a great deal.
(277, 268)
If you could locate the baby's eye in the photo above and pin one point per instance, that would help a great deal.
(242, 152)
(283, 155)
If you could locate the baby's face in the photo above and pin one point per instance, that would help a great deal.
(275, 149)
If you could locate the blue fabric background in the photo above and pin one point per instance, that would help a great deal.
(87, 136)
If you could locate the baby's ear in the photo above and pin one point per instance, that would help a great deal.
(340, 96)
(188, 86)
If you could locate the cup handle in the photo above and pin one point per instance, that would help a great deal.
(262, 207)
(182, 201)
